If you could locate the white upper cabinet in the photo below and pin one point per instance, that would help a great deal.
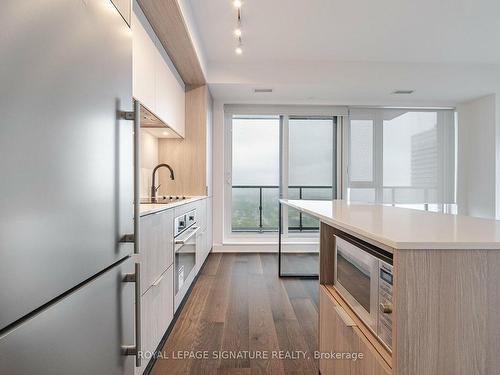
(155, 85)
(170, 97)
(144, 58)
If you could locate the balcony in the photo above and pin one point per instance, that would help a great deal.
(255, 208)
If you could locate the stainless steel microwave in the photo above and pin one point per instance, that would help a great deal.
(364, 279)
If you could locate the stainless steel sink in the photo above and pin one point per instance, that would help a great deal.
(165, 199)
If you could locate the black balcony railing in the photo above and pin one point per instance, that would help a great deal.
(255, 207)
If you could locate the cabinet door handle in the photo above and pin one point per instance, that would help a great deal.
(345, 316)
(158, 280)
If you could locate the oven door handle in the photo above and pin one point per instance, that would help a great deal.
(182, 241)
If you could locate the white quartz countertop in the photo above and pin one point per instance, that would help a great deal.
(151, 208)
(402, 228)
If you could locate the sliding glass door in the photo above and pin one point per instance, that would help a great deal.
(273, 156)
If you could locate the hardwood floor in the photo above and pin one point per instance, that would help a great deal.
(240, 317)
(300, 263)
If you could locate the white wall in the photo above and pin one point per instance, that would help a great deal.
(478, 185)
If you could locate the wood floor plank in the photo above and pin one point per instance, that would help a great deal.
(236, 326)
(219, 299)
(212, 264)
(262, 330)
(307, 315)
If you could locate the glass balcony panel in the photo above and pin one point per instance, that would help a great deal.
(270, 200)
(245, 209)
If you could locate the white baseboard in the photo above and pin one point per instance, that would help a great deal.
(264, 248)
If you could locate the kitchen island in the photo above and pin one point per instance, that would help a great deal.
(443, 305)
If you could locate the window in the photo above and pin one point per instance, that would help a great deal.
(361, 151)
(311, 166)
(307, 148)
(402, 157)
(255, 173)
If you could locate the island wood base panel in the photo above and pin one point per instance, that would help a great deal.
(446, 317)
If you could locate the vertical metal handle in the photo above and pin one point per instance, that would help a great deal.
(137, 189)
(135, 350)
(136, 277)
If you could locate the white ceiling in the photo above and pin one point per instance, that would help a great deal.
(352, 52)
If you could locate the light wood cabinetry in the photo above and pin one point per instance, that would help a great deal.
(154, 83)
(156, 241)
(157, 279)
(445, 314)
(157, 312)
(157, 276)
(447, 305)
(340, 334)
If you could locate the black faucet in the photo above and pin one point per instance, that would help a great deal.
(154, 188)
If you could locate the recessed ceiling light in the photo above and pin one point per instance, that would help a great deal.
(165, 132)
(403, 92)
(237, 32)
(238, 50)
(237, 3)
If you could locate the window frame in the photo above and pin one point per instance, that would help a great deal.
(284, 113)
(377, 183)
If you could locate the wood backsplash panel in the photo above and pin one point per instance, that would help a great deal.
(187, 156)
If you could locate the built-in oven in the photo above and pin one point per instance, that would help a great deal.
(363, 277)
(185, 230)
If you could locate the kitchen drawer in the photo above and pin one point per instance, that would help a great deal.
(338, 333)
(156, 246)
(157, 312)
(184, 208)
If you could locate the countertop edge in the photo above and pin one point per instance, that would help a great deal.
(169, 206)
(392, 245)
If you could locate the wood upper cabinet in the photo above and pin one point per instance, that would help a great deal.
(338, 333)
(155, 84)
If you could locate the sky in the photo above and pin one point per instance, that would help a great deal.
(256, 152)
